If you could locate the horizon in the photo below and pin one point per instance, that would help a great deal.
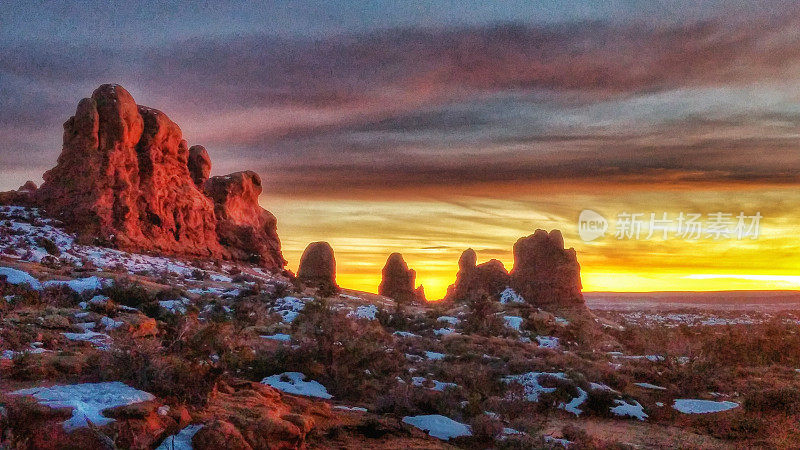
(427, 130)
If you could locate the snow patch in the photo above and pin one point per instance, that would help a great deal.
(696, 406)
(625, 409)
(182, 440)
(438, 426)
(510, 296)
(294, 383)
(88, 400)
(364, 312)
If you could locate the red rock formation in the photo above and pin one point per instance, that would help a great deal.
(544, 273)
(490, 278)
(199, 165)
(318, 266)
(125, 177)
(246, 230)
(398, 280)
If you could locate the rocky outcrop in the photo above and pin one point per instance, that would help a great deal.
(247, 231)
(472, 280)
(251, 415)
(24, 195)
(126, 178)
(199, 165)
(318, 266)
(545, 273)
(397, 280)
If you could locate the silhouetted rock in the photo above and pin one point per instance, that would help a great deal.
(544, 272)
(123, 178)
(489, 278)
(24, 196)
(398, 280)
(318, 266)
(419, 293)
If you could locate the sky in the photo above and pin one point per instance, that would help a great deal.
(430, 127)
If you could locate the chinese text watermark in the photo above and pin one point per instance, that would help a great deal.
(662, 225)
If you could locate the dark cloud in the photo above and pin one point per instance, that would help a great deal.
(457, 106)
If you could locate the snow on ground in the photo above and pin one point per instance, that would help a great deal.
(556, 441)
(15, 276)
(294, 383)
(443, 331)
(79, 285)
(350, 408)
(110, 324)
(87, 400)
(651, 358)
(573, 405)
(530, 383)
(289, 307)
(99, 340)
(437, 385)
(510, 296)
(180, 441)
(175, 306)
(364, 312)
(547, 341)
(27, 229)
(625, 409)
(435, 356)
(448, 319)
(405, 334)
(650, 386)
(696, 406)
(513, 322)
(700, 318)
(439, 426)
(278, 337)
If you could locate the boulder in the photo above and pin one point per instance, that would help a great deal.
(258, 418)
(318, 266)
(126, 178)
(544, 273)
(219, 434)
(489, 278)
(398, 280)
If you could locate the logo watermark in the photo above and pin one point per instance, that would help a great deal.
(687, 226)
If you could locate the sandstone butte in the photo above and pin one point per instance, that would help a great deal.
(545, 274)
(127, 179)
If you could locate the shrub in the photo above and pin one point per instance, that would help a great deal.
(127, 292)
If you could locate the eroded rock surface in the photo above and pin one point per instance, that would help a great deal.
(126, 178)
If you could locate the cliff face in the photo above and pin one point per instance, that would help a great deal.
(125, 177)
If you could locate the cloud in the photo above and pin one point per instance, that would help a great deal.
(462, 106)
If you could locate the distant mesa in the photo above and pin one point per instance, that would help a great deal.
(318, 266)
(397, 281)
(544, 273)
(126, 178)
